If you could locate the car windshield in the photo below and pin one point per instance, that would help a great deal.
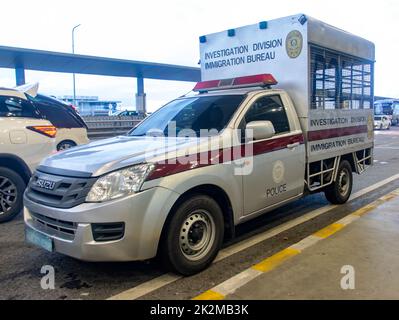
(194, 114)
(384, 108)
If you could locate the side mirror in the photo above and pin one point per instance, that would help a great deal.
(261, 129)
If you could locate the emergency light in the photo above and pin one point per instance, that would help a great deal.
(260, 80)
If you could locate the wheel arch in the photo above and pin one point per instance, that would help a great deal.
(16, 164)
(216, 193)
(350, 158)
(66, 140)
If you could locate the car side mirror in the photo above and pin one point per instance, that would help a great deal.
(261, 130)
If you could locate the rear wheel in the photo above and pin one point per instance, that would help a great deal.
(340, 191)
(193, 236)
(12, 187)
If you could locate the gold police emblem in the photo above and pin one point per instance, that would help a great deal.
(370, 127)
(278, 171)
(294, 44)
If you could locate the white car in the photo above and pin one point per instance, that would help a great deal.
(382, 122)
(25, 140)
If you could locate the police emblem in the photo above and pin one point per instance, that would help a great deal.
(278, 171)
(294, 44)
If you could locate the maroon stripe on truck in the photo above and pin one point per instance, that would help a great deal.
(335, 133)
(195, 161)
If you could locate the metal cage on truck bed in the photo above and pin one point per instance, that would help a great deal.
(327, 72)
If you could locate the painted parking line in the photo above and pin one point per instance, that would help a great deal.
(231, 285)
(166, 279)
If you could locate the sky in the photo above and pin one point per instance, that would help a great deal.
(167, 32)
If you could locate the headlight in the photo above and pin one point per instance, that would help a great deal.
(119, 184)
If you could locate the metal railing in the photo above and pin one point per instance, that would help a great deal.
(110, 126)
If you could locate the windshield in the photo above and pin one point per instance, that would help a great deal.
(194, 114)
(384, 108)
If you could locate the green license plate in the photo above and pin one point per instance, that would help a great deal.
(39, 239)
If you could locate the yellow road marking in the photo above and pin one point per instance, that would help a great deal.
(388, 197)
(329, 231)
(362, 211)
(275, 260)
(210, 295)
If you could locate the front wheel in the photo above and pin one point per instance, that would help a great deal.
(12, 187)
(340, 191)
(193, 236)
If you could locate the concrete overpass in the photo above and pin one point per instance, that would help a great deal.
(22, 59)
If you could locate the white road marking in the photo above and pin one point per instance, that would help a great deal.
(229, 287)
(306, 243)
(163, 280)
(348, 220)
(146, 287)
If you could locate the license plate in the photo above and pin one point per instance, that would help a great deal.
(39, 239)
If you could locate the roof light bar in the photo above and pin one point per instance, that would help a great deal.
(260, 80)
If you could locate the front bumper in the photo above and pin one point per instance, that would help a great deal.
(143, 215)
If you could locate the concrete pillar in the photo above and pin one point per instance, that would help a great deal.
(20, 76)
(140, 96)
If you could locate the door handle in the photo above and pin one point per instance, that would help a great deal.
(293, 146)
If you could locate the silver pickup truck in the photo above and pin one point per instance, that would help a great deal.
(179, 183)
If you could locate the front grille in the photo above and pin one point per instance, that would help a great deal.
(63, 229)
(108, 231)
(67, 192)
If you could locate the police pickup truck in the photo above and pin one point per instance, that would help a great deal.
(284, 110)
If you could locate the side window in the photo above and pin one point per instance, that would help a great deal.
(269, 108)
(16, 107)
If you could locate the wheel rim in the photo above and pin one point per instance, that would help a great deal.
(8, 195)
(343, 183)
(197, 235)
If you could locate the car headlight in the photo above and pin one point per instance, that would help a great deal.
(119, 184)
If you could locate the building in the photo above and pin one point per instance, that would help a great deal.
(92, 106)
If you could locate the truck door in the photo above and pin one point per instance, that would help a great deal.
(278, 162)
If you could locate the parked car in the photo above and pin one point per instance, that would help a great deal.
(25, 139)
(126, 113)
(382, 122)
(390, 108)
(71, 128)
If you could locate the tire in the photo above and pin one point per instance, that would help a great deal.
(340, 191)
(12, 188)
(185, 247)
(65, 145)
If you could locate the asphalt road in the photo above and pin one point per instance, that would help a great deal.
(21, 263)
